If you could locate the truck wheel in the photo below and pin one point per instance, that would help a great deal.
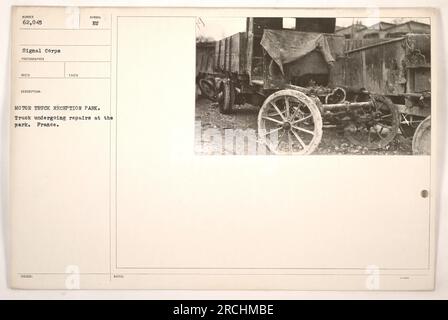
(207, 87)
(289, 122)
(226, 97)
(375, 126)
(421, 142)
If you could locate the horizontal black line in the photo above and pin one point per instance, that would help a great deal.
(63, 29)
(61, 78)
(63, 61)
(61, 273)
(67, 45)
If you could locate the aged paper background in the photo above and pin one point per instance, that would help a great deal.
(136, 155)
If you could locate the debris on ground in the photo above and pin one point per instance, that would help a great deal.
(245, 117)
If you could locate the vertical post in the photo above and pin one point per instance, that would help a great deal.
(250, 46)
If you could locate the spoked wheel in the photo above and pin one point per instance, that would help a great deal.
(409, 124)
(421, 142)
(374, 126)
(207, 87)
(289, 122)
(226, 96)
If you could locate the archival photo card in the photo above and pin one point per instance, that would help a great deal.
(123, 122)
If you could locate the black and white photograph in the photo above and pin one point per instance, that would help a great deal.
(313, 85)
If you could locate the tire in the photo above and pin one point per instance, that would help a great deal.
(226, 97)
(382, 132)
(421, 142)
(292, 116)
(207, 87)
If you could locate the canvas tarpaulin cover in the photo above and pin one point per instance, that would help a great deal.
(285, 46)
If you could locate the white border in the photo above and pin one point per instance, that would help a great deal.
(441, 291)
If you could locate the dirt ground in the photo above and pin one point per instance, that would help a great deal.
(244, 117)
